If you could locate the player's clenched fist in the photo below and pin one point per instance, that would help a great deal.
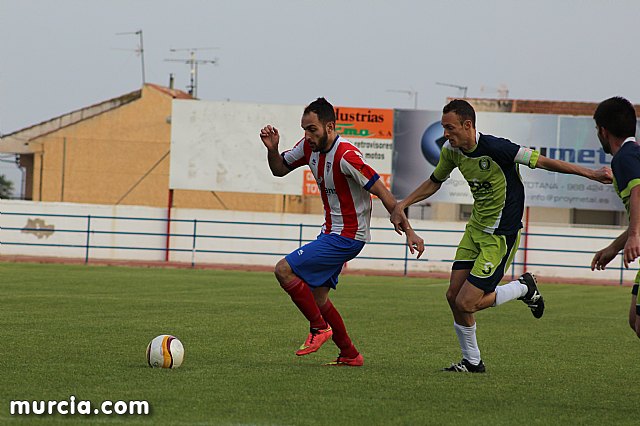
(270, 137)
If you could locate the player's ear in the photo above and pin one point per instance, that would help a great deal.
(331, 126)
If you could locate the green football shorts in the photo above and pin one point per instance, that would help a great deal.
(487, 255)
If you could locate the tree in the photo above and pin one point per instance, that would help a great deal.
(6, 187)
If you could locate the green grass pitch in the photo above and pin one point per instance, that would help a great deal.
(83, 331)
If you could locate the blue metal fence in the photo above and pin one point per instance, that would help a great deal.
(92, 226)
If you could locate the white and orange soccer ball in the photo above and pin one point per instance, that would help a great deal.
(165, 351)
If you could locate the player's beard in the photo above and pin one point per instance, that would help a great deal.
(322, 142)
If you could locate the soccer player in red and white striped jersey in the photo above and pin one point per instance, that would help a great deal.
(344, 180)
(346, 183)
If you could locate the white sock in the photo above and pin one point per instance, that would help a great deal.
(468, 342)
(510, 291)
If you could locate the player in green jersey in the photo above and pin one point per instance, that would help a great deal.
(490, 166)
(616, 123)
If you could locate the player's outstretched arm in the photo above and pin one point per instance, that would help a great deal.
(602, 257)
(414, 242)
(628, 241)
(389, 202)
(379, 190)
(602, 175)
(424, 191)
(271, 139)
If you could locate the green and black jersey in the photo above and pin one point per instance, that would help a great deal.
(626, 170)
(491, 170)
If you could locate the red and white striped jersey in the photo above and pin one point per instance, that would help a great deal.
(344, 180)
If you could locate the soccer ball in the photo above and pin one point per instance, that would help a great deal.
(165, 351)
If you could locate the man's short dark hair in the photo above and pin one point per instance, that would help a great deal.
(463, 109)
(323, 109)
(618, 116)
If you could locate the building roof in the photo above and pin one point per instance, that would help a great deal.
(528, 106)
(18, 142)
(175, 94)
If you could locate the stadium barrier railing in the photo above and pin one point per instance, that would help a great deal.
(226, 241)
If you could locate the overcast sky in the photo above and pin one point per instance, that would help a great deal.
(62, 55)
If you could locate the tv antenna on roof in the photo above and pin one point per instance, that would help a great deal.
(139, 50)
(457, 86)
(412, 93)
(193, 65)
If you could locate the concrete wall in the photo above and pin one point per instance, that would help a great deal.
(118, 232)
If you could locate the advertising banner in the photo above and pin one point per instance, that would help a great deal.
(418, 139)
(215, 146)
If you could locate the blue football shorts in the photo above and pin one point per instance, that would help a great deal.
(320, 262)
